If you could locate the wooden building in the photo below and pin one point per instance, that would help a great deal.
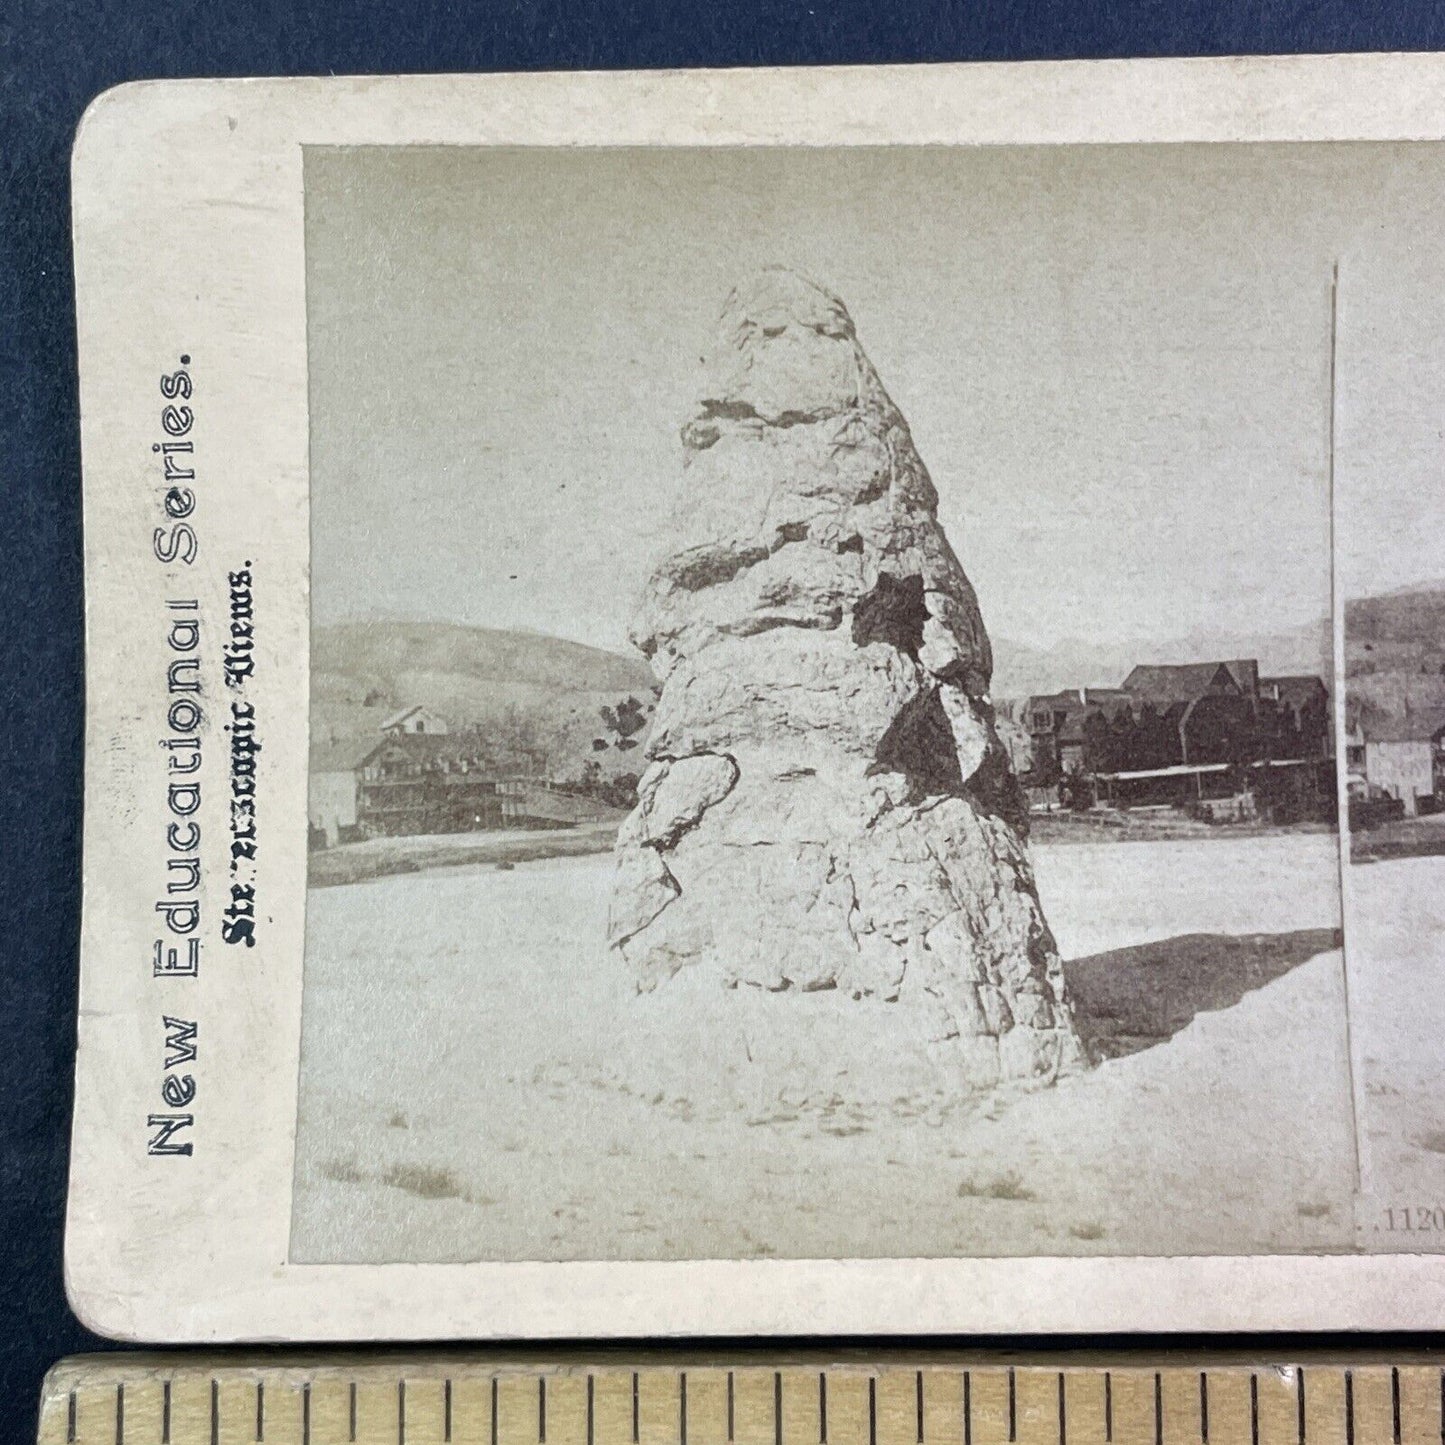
(424, 779)
(1189, 734)
(1401, 758)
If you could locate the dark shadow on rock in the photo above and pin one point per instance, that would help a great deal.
(919, 744)
(1130, 999)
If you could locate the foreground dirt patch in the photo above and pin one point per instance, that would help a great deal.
(380, 857)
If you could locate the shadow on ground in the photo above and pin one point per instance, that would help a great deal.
(1130, 999)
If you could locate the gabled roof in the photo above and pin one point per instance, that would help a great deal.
(1170, 682)
(1070, 701)
(342, 755)
(1055, 700)
(396, 719)
(429, 747)
(1245, 671)
(346, 755)
(1110, 699)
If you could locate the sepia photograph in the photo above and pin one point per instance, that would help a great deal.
(784, 702)
(823, 725)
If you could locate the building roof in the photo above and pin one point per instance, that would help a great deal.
(1077, 699)
(342, 755)
(398, 718)
(429, 747)
(1170, 682)
(346, 755)
(1296, 689)
(1245, 671)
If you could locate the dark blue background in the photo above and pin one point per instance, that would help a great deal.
(55, 55)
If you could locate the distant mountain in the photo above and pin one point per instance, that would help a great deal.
(1395, 656)
(1410, 621)
(510, 683)
(1021, 670)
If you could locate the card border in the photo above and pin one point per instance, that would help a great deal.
(188, 215)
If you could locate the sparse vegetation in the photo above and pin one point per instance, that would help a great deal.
(1089, 1231)
(1008, 1186)
(424, 1181)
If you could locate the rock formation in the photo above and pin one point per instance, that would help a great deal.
(826, 803)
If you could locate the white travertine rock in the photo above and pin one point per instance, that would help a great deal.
(827, 803)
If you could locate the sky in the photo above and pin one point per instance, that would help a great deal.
(1115, 362)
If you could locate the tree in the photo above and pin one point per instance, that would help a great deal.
(526, 742)
(625, 721)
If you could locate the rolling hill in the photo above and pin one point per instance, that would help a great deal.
(504, 682)
(528, 683)
(1395, 655)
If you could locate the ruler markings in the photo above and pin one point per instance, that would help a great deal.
(1084, 1406)
(659, 1407)
(1380, 1404)
(707, 1406)
(989, 1399)
(943, 1407)
(1325, 1407)
(1131, 1404)
(1420, 1415)
(895, 1407)
(755, 1416)
(849, 1417)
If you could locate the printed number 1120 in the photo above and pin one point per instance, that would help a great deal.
(1416, 1219)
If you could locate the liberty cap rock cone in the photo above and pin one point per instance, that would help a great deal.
(826, 803)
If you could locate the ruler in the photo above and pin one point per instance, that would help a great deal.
(878, 1399)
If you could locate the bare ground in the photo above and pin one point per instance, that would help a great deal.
(1422, 837)
(480, 1081)
(378, 857)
